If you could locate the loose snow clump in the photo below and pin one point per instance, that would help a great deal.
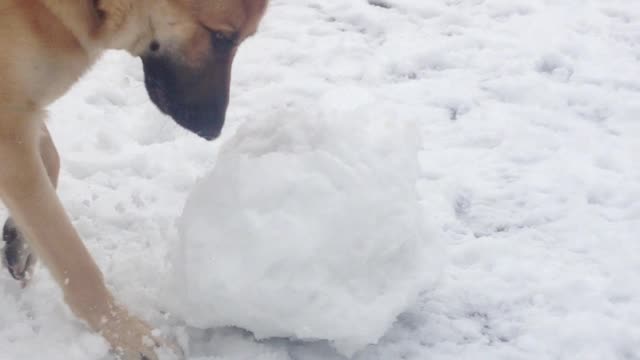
(308, 227)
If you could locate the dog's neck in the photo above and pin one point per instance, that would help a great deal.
(79, 17)
(94, 22)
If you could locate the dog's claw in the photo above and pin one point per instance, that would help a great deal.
(168, 351)
(17, 255)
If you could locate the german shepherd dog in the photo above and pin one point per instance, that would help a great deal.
(187, 49)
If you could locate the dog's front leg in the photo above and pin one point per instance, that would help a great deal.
(30, 196)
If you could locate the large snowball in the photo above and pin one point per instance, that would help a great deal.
(309, 227)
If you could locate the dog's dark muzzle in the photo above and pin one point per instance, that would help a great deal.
(197, 99)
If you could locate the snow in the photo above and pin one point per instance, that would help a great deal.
(309, 226)
(528, 112)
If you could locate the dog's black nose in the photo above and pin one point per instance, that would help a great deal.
(213, 127)
(204, 120)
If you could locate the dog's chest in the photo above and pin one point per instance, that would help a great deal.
(54, 77)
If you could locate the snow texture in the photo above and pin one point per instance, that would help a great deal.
(310, 227)
(529, 117)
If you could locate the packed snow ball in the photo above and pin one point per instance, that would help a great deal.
(310, 227)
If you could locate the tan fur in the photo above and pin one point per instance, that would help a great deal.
(47, 45)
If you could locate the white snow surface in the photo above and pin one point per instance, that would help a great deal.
(310, 227)
(528, 114)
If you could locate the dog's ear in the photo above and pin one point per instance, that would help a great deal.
(98, 13)
(108, 16)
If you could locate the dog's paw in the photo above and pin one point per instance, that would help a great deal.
(157, 350)
(17, 256)
(151, 349)
(133, 339)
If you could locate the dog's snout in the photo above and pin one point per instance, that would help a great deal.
(196, 99)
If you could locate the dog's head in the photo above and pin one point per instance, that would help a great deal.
(187, 48)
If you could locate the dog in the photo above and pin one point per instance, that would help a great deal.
(187, 49)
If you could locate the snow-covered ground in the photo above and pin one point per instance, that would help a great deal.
(529, 113)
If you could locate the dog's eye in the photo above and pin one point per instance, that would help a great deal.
(222, 42)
